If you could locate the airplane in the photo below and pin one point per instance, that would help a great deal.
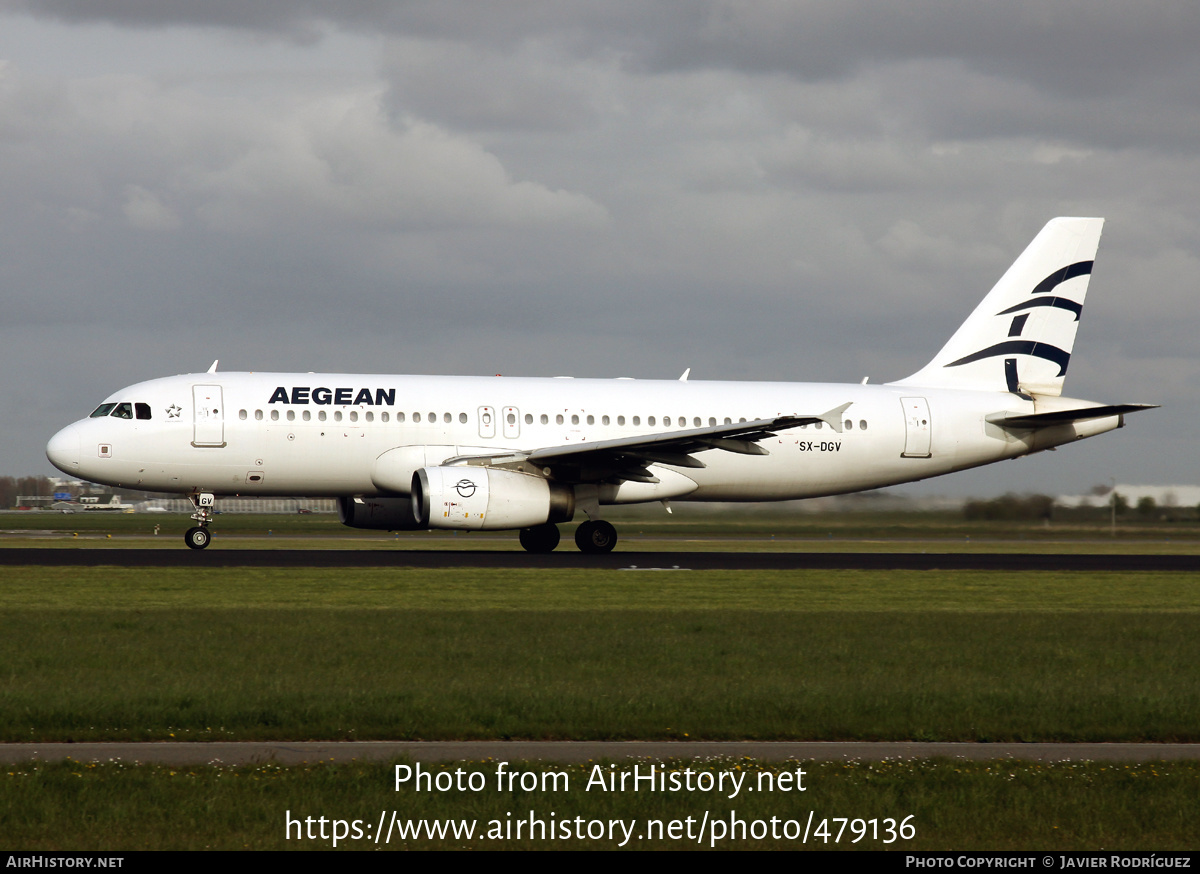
(403, 453)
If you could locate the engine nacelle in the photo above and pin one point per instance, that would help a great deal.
(386, 514)
(484, 498)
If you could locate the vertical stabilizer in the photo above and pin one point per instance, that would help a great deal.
(1020, 338)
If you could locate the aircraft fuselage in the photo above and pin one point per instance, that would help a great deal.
(317, 435)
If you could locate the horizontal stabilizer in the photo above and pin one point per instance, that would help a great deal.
(1024, 421)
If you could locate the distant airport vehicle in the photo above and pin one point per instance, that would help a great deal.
(470, 453)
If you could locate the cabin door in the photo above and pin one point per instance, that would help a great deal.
(917, 428)
(208, 416)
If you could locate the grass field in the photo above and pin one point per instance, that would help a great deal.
(107, 653)
(113, 653)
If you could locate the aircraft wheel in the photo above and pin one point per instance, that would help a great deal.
(540, 538)
(595, 536)
(197, 538)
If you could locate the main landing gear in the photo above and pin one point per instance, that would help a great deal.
(594, 536)
(198, 537)
(540, 538)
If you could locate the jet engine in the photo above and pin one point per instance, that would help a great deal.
(475, 498)
(387, 514)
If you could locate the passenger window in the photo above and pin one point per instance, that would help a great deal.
(370, 417)
(307, 415)
(574, 420)
(620, 420)
(728, 421)
(242, 415)
(354, 415)
(337, 415)
(384, 417)
(291, 415)
(416, 417)
(274, 415)
(558, 420)
(123, 411)
(432, 418)
(591, 420)
(511, 419)
(529, 418)
(101, 411)
(258, 415)
(666, 421)
(862, 425)
(462, 418)
(399, 417)
(142, 410)
(712, 422)
(545, 420)
(696, 421)
(649, 420)
(817, 425)
(637, 420)
(604, 420)
(321, 416)
(446, 417)
(849, 425)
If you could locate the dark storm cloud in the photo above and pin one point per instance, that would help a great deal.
(1073, 46)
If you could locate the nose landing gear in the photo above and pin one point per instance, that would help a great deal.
(198, 537)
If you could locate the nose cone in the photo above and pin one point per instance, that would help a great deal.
(63, 450)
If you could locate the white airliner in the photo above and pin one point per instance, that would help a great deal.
(416, 452)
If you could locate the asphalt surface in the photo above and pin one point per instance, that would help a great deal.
(570, 559)
(248, 753)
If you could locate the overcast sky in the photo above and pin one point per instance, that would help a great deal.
(775, 190)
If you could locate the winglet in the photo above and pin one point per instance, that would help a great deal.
(833, 418)
(686, 373)
(213, 369)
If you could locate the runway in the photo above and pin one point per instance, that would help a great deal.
(570, 559)
(283, 753)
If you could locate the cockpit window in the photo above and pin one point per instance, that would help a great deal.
(102, 410)
(142, 410)
(123, 411)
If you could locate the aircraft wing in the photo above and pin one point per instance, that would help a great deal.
(626, 458)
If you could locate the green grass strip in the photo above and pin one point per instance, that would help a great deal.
(74, 589)
(295, 674)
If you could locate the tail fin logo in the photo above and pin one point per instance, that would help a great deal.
(1046, 351)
